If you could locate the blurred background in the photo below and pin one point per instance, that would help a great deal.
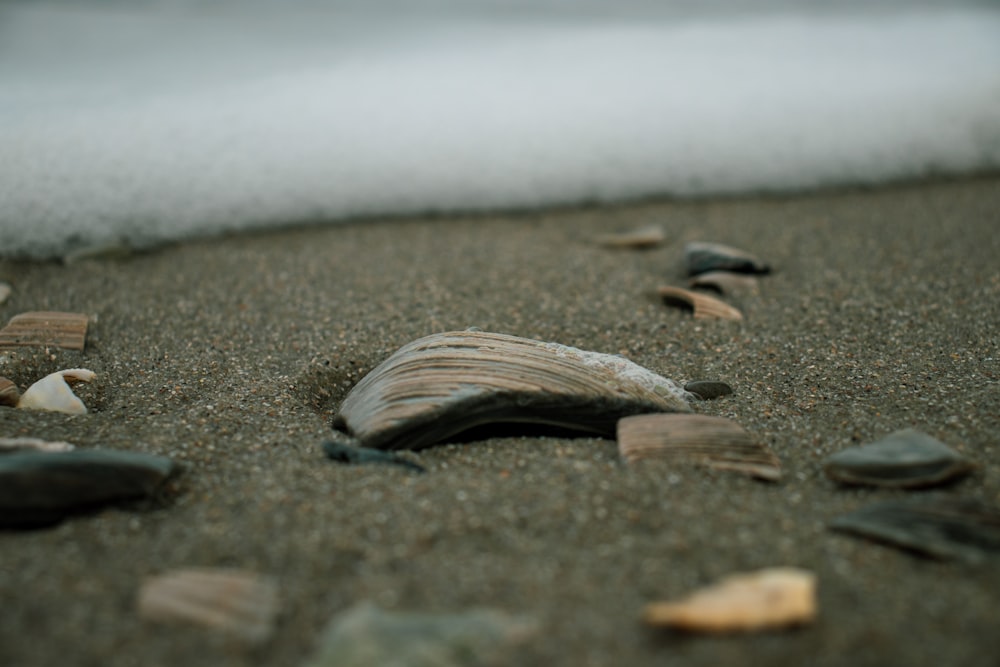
(140, 122)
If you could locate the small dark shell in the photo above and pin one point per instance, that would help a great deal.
(904, 459)
(40, 488)
(9, 393)
(726, 282)
(939, 527)
(702, 257)
(706, 390)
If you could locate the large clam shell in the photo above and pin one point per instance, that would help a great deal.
(904, 459)
(45, 328)
(43, 487)
(940, 527)
(241, 603)
(447, 383)
(715, 442)
(766, 599)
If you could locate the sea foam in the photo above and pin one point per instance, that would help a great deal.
(148, 122)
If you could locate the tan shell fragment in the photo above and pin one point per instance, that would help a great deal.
(704, 306)
(715, 442)
(645, 237)
(9, 393)
(39, 329)
(238, 602)
(441, 385)
(53, 393)
(767, 599)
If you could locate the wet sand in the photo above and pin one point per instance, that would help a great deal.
(232, 355)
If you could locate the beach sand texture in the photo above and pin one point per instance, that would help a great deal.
(231, 355)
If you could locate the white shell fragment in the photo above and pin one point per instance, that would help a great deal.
(441, 385)
(766, 599)
(53, 393)
(5, 291)
(8, 445)
(241, 603)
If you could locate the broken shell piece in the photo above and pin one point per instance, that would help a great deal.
(939, 527)
(766, 599)
(365, 635)
(703, 257)
(5, 291)
(441, 385)
(10, 445)
(238, 602)
(9, 393)
(645, 237)
(706, 390)
(40, 488)
(715, 442)
(904, 459)
(55, 329)
(52, 392)
(725, 282)
(704, 306)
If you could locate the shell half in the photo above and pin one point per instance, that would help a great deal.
(714, 442)
(238, 602)
(441, 385)
(939, 527)
(904, 459)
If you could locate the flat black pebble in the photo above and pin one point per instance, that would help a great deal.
(41, 488)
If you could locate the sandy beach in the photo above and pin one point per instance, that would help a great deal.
(231, 355)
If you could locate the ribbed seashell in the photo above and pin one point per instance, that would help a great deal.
(645, 237)
(702, 257)
(241, 603)
(10, 445)
(444, 384)
(39, 487)
(53, 393)
(767, 599)
(939, 526)
(704, 306)
(9, 393)
(715, 442)
(44, 328)
(904, 459)
(726, 282)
